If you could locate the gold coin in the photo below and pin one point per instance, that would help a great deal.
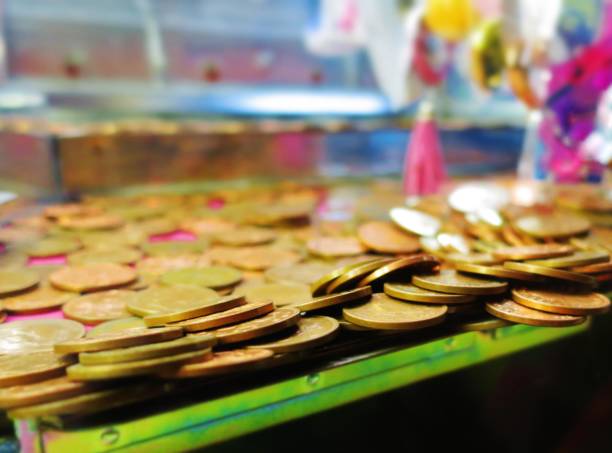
(335, 246)
(552, 272)
(383, 312)
(415, 222)
(306, 273)
(331, 300)
(124, 237)
(20, 236)
(92, 277)
(91, 222)
(273, 322)
(173, 248)
(245, 236)
(384, 237)
(472, 197)
(114, 340)
(497, 271)
(30, 335)
(220, 305)
(117, 325)
(454, 243)
(43, 297)
(16, 280)
(162, 300)
(40, 392)
(552, 226)
(232, 316)
(511, 311)
(53, 246)
(223, 362)
(117, 255)
(349, 326)
(214, 277)
(348, 280)
(11, 259)
(406, 291)
(262, 257)
(450, 281)
(399, 268)
(598, 268)
(70, 210)
(473, 258)
(529, 252)
(310, 333)
(482, 324)
(155, 226)
(561, 301)
(18, 369)
(318, 287)
(157, 265)
(148, 351)
(99, 307)
(204, 227)
(577, 259)
(279, 293)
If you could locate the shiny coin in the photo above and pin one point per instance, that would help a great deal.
(306, 273)
(214, 277)
(511, 311)
(497, 271)
(261, 258)
(15, 280)
(279, 293)
(478, 325)
(355, 275)
(19, 236)
(171, 299)
(161, 225)
(399, 268)
(473, 197)
(455, 243)
(577, 259)
(117, 255)
(148, 351)
(157, 265)
(114, 340)
(220, 305)
(335, 299)
(529, 252)
(117, 325)
(53, 246)
(332, 246)
(599, 268)
(406, 291)
(99, 307)
(92, 222)
(223, 362)
(26, 336)
(206, 227)
(310, 333)
(552, 226)
(173, 248)
(10, 259)
(245, 236)
(557, 300)
(273, 322)
(473, 258)
(318, 287)
(43, 297)
(415, 222)
(384, 237)
(125, 237)
(551, 272)
(19, 369)
(450, 281)
(92, 277)
(40, 392)
(232, 316)
(383, 312)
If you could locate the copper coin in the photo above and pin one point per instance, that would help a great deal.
(401, 266)
(273, 322)
(511, 311)
(529, 252)
(232, 316)
(15, 280)
(117, 325)
(310, 333)
(560, 301)
(306, 273)
(18, 369)
(223, 362)
(318, 287)
(114, 254)
(40, 392)
(20, 337)
(279, 293)
(581, 258)
(552, 226)
(91, 222)
(92, 277)
(207, 226)
(473, 258)
(221, 305)
(20, 236)
(384, 237)
(349, 279)
(332, 246)
(411, 293)
(551, 272)
(53, 246)
(497, 271)
(70, 210)
(331, 300)
(245, 236)
(173, 248)
(157, 265)
(598, 268)
(450, 281)
(43, 297)
(215, 277)
(99, 307)
(171, 299)
(262, 257)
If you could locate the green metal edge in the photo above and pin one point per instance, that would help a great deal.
(229, 417)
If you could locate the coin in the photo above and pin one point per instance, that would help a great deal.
(20, 236)
(383, 312)
(223, 362)
(310, 333)
(115, 254)
(232, 316)
(220, 305)
(157, 265)
(117, 325)
(273, 322)
(127, 236)
(10, 259)
(70, 210)
(207, 226)
(349, 279)
(529, 252)
(552, 226)
(260, 258)
(245, 236)
(334, 246)
(30, 335)
(99, 307)
(40, 392)
(306, 273)
(53, 246)
(415, 222)
(279, 293)
(474, 307)
(114, 340)
(472, 197)
(173, 248)
(92, 277)
(473, 258)
(398, 268)
(511, 311)
(16, 280)
(214, 277)
(582, 258)
(43, 297)
(561, 301)
(384, 237)
(551, 272)
(598, 268)
(406, 291)
(148, 351)
(91, 222)
(450, 281)
(497, 271)
(454, 243)
(155, 226)
(318, 287)
(18, 369)
(331, 300)
(162, 300)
